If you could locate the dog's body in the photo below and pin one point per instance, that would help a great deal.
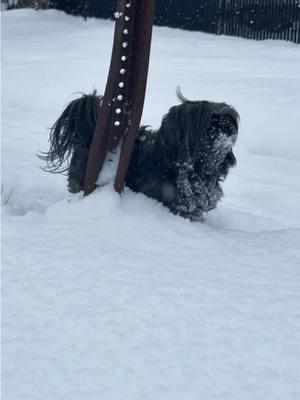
(181, 164)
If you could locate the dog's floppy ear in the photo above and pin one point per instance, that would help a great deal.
(177, 131)
(172, 135)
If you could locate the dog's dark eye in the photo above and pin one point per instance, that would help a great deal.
(213, 131)
(215, 119)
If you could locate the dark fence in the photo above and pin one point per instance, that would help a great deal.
(253, 19)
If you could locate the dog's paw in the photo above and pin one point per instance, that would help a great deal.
(74, 186)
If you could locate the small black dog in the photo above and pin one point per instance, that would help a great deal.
(181, 164)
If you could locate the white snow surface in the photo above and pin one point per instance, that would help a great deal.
(113, 297)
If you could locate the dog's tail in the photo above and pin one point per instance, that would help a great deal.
(179, 95)
(74, 128)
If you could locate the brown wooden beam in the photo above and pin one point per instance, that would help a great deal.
(122, 104)
(144, 15)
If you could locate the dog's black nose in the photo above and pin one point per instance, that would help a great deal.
(228, 125)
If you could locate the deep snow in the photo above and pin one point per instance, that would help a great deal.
(114, 297)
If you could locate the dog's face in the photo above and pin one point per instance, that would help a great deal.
(202, 133)
(194, 154)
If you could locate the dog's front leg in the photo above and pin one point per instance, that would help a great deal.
(185, 203)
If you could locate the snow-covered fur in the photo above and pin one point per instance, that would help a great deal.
(181, 164)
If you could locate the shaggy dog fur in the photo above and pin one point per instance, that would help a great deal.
(181, 164)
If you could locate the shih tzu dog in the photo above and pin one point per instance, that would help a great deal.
(182, 164)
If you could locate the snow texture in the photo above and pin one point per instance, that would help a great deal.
(113, 297)
(110, 167)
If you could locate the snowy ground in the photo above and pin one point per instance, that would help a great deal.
(114, 297)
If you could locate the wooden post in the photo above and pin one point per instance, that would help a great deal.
(144, 16)
(122, 103)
